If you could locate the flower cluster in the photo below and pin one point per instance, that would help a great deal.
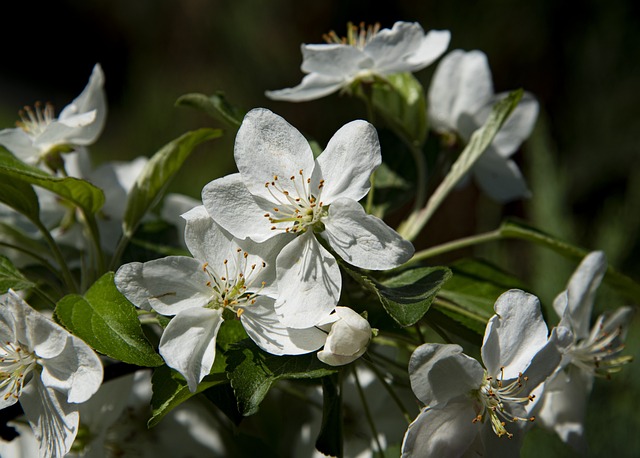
(297, 271)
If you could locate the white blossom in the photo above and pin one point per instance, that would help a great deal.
(282, 192)
(592, 352)
(348, 338)
(470, 409)
(364, 54)
(224, 274)
(48, 370)
(460, 100)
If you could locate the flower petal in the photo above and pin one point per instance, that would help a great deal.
(499, 177)
(188, 343)
(461, 84)
(20, 144)
(390, 48)
(266, 147)
(313, 86)
(433, 45)
(265, 329)
(346, 165)
(168, 285)
(334, 60)
(53, 421)
(233, 207)
(364, 240)
(580, 293)
(445, 432)
(514, 334)
(440, 373)
(309, 282)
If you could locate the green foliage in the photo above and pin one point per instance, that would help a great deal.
(20, 196)
(79, 192)
(108, 322)
(155, 177)
(252, 372)
(330, 439)
(216, 106)
(10, 277)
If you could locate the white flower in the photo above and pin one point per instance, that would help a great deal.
(362, 55)
(348, 338)
(460, 100)
(592, 352)
(79, 124)
(225, 274)
(281, 191)
(469, 408)
(48, 370)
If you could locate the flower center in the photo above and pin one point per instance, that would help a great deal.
(34, 122)
(599, 354)
(495, 396)
(233, 287)
(357, 37)
(299, 210)
(16, 364)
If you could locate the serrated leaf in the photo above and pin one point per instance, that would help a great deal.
(79, 192)
(157, 174)
(616, 279)
(216, 106)
(10, 277)
(330, 440)
(251, 372)
(478, 143)
(108, 322)
(401, 102)
(170, 391)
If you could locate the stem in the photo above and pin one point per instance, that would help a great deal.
(95, 240)
(44, 296)
(122, 244)
(367, 413)
(456, 245)
(440, 332)
(419, 332)
(387, 386)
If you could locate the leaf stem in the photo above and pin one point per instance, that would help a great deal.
(456, 245)
(57, 254)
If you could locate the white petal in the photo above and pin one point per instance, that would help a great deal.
(334, 60)
(433, 45)
(514, 334)
(188, 343)
(346, 165)
(169, 285)
(265, 329)
(268, 146)
(53, 421)
(441, 432)
(390, 48)
(499, 177)
(20, 144)
(233, 207)
(348, 339)
(461, 84)
(313, 86)
(581, 292)
(205, 239)
(309, 282)
(364, 240)
(440, 373)
(77, 371)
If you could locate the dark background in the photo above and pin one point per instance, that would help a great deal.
(581, 59)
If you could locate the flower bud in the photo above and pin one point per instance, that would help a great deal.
(347, 340)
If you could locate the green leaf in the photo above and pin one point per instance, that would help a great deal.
(108, 322)
(79, 192)
(401, 102)
(479, 142)
(471, 293)
(20, 196)
(216, 106)
(616, 279)
(330, 440)
(158, 172)
(169, 391)
(10, 277)
(252, 372)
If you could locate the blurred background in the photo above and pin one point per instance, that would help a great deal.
(580, 59)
